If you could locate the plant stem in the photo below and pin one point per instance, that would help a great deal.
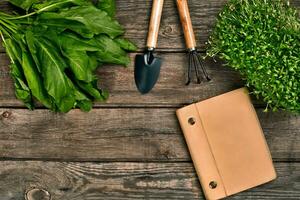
(41, 10)
(9, 25)
(5, 14)
(6, 29)
(5, 44)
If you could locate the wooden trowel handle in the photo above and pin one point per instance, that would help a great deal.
(154, 25)
(186, 22)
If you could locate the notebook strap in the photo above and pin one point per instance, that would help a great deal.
(200, 150)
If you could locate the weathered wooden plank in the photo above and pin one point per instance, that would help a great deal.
(77, 181)
(169, 91)
(121, 135)
(134, 16)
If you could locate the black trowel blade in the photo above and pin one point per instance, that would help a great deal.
(146, 74)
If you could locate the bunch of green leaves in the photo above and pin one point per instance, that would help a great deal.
(261, 39)
(57, 46)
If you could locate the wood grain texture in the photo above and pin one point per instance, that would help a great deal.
(147, 133)
(170, 89)
(116, 181)
(134, 15)
(120, 135)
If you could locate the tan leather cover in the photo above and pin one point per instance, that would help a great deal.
(226, 143)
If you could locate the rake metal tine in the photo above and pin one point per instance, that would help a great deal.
(194, 55)
(201, 63)
(189, 71)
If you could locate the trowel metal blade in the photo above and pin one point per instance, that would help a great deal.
(146, 74)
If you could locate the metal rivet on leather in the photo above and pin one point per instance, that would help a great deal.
(192, 121)
(213, 184)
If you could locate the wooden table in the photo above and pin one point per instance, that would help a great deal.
(132, 146)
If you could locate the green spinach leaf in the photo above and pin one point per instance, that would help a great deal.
(92, 90)
(22, 90)
(125, 44)
(112, 53)
(51, 5)
(97, 21)
(56, 47)
(70, 41)
(83, 102)
(24, 4)
(53, 67)
(34, 81)
(32, 48)
(79, 64)
(54, 20)
(108, 6)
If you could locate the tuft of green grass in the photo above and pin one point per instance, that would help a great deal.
(261, 40)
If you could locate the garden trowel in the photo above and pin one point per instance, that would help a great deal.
(147, 66)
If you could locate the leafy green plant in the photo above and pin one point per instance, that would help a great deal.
(57, 46)
(261, 39)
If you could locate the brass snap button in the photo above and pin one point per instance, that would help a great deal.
(213, 184)
(192, 121)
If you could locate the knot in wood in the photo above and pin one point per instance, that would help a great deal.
(6, 114)
(168, 30)
(37, 194)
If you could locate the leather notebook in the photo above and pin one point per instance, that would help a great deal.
(227, 144)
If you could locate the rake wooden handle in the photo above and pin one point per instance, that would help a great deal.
(186, 22)
(154, 25)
